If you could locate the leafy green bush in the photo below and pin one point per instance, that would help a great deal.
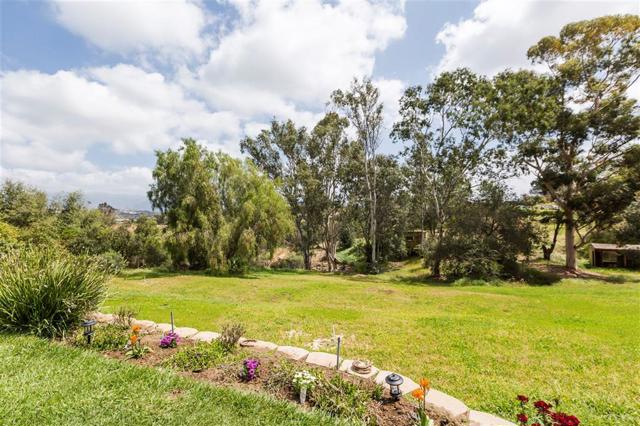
(47, 292)
(198, 357)
(112, 261)
(342, 398)
(294, 261)
(230, 335)
(108, 337)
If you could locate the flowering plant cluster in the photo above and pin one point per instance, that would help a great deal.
(169, 340)
(304, 379)
(542, 414)
(421, 395)
(250, 369)
(135, 350)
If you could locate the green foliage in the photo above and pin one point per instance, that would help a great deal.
(572, 127)
(111, 261)
(280, 377)
(628, 231)
(487, 240)
(124, 316)
(230, 335)
(46, 292)
(293, 261)
(21, 205)
(198, 357)
(220, 211)
(107, 337)
(342, 398)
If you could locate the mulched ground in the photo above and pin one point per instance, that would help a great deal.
(386, 412)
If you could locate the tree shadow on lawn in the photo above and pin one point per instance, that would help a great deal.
(141, 274)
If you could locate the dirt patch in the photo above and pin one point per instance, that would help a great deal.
(386, 412)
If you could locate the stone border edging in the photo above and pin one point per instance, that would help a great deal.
(441, 400)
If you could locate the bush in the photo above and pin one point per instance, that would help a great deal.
(342, 398)
(112, 261)
(124, 316)
(230, 335)
(294, 261)
(198, 357)
(46, 292)
(109, 337)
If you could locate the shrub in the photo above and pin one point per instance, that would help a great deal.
(108, 337)
(341, 398)
(124, 316)
(112, 261)
(230, 335)
(292, 262)
(281, 377)
(46, 292)
(198, 357)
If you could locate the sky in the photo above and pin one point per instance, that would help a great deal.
(90, 90)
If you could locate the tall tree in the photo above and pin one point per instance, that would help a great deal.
(307, 167)
(447, 131)
(183, 190)
(572, 126)
(362, 106)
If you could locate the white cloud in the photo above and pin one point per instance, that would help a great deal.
(500, 31)
(51, 121)
(124, 107)
(285, 56)
(171, 28)
(127, 181)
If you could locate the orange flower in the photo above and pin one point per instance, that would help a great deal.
(136, 329)
(424, 383)
(418, 394)
(133, 339)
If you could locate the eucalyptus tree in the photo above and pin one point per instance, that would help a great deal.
(449, 147)
(362, 106)
(306, 165)
(572, 126)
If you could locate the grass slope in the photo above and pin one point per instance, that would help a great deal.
(577, 339)
(43, 383)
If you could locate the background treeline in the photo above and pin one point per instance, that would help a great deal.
(572, 128)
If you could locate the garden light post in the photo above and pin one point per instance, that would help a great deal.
(87, 325)
(394, 381)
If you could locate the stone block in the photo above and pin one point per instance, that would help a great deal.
(292, 352)
(322, 359)
(185, 331)
(205, 336)
(478, 418)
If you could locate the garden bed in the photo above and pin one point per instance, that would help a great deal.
(272, 378)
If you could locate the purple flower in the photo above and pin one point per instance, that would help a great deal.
(250, 368)
(169, 340)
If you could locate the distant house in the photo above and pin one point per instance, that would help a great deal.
(626, 256)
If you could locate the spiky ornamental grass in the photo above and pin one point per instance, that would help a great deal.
(44, 291)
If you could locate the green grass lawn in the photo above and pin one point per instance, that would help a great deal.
(43, 383)
(576, 339)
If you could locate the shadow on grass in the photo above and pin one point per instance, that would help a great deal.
(142, 274)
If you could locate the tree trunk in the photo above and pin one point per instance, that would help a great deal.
(571, 257)
(307, 259)
(547, 251)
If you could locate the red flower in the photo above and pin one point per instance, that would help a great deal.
(522, 418)
(522, 399)
(542, 406)
(563, 419)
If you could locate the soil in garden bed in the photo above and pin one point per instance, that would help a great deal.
(386, 412)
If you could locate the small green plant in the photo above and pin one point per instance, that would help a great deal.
(198, 357)
(124, 316)
(230, 335)
(107, 337)
(280, 377)
(134, 348)
(341, 398)
(112, 261)
(47, 292)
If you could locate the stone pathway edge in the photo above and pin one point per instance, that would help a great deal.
(453, 406)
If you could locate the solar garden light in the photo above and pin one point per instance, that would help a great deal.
(87, 325)
(394, 381)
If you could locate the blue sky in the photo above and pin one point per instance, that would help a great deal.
(91, 89)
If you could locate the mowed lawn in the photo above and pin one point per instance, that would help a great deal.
(44, 383)
(576, 339)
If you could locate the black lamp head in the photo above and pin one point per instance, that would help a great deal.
(394, 381)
